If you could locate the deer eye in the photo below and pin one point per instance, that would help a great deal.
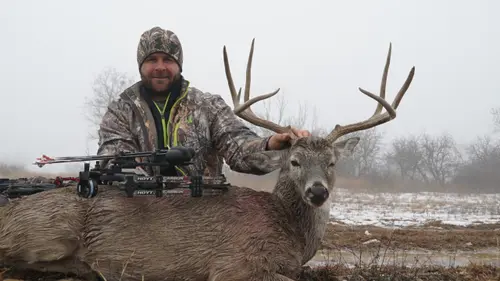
(332, 164)
(295, 163)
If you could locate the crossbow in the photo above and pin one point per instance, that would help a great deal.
(141, 184)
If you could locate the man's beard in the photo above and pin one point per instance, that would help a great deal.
(149, 85)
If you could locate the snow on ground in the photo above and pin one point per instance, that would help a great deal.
(414, 209)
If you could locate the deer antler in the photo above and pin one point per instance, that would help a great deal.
(243, 110)
(377, 118)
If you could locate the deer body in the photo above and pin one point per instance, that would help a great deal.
(241, 235)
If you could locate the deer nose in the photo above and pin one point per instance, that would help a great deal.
(318, 193)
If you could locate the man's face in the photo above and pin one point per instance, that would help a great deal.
(159, 71)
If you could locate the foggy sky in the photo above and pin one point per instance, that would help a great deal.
(323, 51)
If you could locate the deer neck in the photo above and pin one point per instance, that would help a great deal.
(308, 221)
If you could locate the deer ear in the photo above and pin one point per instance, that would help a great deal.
(345, 148)
(264, 162)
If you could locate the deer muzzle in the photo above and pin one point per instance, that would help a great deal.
(317, 194)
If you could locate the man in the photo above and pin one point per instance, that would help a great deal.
(162, 110)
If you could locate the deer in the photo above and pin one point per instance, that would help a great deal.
(243, 234)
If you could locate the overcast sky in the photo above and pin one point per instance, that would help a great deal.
(322, 51)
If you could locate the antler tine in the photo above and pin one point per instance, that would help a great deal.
(383, 84)
(243, 110)
(377, 118)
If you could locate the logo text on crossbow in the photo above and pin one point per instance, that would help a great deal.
(144, 192)
(145, 178)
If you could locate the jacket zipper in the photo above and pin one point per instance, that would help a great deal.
(163, 121)
(176, 126)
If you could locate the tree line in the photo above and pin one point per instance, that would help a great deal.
(406, 163)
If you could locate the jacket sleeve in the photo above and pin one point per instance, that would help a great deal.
(115, 134)
(232, 138)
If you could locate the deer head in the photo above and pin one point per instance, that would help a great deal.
(310, 162)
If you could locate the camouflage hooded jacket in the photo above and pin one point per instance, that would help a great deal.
(199, 120)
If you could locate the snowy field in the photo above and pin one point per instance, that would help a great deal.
(414, 209)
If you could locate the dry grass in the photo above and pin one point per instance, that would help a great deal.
(338, 272)
(402, 273)
(434, 237)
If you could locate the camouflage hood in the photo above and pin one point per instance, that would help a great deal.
(159, 40)
(199, 120)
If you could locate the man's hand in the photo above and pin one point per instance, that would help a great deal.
(279, 141)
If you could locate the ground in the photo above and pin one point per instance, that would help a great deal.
(439, 228)
(410, 236)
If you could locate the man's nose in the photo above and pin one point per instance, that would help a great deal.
(161, 65)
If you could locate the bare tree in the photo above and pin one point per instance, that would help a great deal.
(315, 128)
(365, 159)
(407, 156)
(483, 149)
(441, 157)
(480, 172)
(107, 86)
(496, 118)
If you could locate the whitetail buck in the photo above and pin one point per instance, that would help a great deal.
(242, 235)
